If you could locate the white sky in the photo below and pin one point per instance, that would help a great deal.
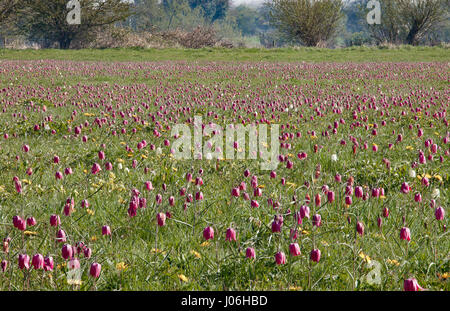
(250, 2)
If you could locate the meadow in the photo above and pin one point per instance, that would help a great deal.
(402, 53)
(92, 198)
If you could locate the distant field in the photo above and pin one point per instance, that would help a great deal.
(355, 54)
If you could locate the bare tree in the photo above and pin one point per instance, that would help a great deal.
(408, 21)
(46, 21)
(420, 16)
(391, 28)
(8, 11)
(312, 22)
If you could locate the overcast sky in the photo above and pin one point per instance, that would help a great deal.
(237, 2)
(250, 2)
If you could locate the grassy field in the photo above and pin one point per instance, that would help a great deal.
(370, 127)
(354, 54)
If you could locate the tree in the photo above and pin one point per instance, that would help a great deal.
(147, 15)
(354, 24)
(391, 28)
(213, 9)
(420, 16)
(46, 20)
(8, 12)
(246, 19)
(356, 18)
(311, 22)
(440, 33)
(178, 14)
(408, 21)
(7, 8)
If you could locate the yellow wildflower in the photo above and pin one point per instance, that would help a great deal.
(158, 251)
(291, 184)
(443, 276)
(183, 278)
(196, 254)
(426, 175)
(438, 177)
(392, 262)
(121, 266)
(365, 257)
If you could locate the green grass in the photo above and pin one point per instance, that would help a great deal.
(353, 54)
(96, 89)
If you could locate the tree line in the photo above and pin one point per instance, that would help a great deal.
(276, 23)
